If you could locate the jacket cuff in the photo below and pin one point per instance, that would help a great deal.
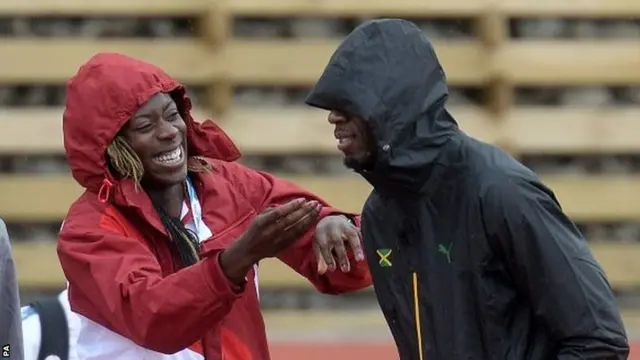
(219, 283)
(353, 218)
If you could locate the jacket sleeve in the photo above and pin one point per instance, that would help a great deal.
(264, 190)
(116, 281)
(11, 328)
(551, 264)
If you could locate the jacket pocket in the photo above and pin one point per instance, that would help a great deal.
(227, 236)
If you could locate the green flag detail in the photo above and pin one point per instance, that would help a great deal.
(384, 255)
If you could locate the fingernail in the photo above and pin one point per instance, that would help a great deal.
(332, 267)
(345, 267)
(312, 203)
(300, 200)
(318, 206)
(359, 256)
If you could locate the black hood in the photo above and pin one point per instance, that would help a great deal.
(386, 72)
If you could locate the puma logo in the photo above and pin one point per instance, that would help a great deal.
(446, 251)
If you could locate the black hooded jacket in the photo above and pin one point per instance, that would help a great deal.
(471, 255)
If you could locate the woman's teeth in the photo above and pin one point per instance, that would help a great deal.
(170, 158)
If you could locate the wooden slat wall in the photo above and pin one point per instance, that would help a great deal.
(595, 198)
(493, 61)
(103, 8)
(527, 130)
(40, 269)
(220, 62)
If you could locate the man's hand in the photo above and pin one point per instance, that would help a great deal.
(332, 233)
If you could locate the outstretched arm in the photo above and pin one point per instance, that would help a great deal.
(116, 281)
(265, 190)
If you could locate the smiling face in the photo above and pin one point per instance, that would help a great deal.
(355, 139)
(157, 134)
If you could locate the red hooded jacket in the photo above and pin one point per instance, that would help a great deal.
(114, 250)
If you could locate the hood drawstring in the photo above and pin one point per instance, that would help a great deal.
(105, 190)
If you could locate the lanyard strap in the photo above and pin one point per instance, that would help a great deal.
(194, 209)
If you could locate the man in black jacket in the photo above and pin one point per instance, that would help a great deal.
(471, 255)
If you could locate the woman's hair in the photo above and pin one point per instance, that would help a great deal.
(126, 163)
(124, 160)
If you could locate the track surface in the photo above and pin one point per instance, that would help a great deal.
(352, 351)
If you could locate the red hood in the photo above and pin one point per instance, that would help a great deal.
(104, 95)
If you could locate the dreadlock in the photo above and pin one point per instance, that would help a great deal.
(124, 160)
(127, 164)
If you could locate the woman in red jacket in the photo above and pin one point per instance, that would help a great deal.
(161, 250)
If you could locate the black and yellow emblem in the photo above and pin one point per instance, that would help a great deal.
(384, 256)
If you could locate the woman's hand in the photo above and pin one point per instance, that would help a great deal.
(272, 231)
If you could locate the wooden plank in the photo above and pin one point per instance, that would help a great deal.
(84, 8)
(38, 266)
(631, 319)
(51, 195)
(569, 62)
(351, 8)
(302, 130)
(305, 130)
(299, 129)
(31, 131)
(275, 274)
(573, 131)
(199, 64)
(280, 8)
(574, 9)
(620, 262)
(21, 62)
(584, 198)
(596, 198)
(299, 62)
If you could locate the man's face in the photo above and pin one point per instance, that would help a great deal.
(355, 139)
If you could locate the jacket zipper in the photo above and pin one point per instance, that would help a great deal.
(416, 314)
